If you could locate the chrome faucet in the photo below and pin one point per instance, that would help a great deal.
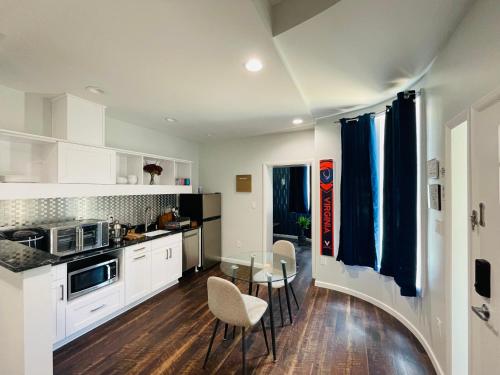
(149, 218)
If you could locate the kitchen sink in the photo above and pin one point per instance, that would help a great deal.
(156, 233)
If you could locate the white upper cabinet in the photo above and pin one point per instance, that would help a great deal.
(78, 120)
(78, 164)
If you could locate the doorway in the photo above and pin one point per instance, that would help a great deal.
(459, 208)
(292, 205)
(280, 215)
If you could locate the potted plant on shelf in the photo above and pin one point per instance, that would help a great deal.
(304, 223)
(153, 170)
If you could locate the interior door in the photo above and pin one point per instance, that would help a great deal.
(485, 237)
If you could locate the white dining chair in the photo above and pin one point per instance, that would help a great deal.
(232, 307)
(286, 249)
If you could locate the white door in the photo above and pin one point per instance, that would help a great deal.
(137, 276)
(160, 259)
(485, 238)
(58, 310)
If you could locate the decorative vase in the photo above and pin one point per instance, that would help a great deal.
(152, 181)
(302, 237)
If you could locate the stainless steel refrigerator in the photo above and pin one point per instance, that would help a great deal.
(205, 209)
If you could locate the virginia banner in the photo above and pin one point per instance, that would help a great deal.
(326, 175)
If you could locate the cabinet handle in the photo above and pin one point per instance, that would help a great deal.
(170, 253)
(97, 308)
(139, 249)
(142, 256)
(62, 292)
(166, 256)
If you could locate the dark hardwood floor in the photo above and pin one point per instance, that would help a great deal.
(333, 333)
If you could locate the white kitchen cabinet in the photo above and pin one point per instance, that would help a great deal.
(59, 299)
(88, 309)
(78, 120)
(80, 164)
(137, 272)
(166, 263)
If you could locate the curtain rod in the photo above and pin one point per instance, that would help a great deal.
(407, 95)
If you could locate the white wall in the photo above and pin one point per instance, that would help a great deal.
(465, 70)
(11, 109)
(242, 213)
(123, 135)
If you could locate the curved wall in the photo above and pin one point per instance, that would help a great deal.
(464, 71)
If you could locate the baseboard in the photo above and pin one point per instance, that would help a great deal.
(391, 311)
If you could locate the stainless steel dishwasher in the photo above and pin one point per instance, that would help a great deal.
(190, 249)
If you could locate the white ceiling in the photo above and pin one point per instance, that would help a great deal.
(184, 59)
(155, 58)
(361, 52)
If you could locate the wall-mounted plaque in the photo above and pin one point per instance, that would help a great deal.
(244, 183)
(433, 168)
(435, 196)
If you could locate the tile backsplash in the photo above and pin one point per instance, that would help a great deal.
(126, 209)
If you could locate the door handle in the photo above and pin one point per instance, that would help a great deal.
(482, 312)
(482, 219)
(97, 308)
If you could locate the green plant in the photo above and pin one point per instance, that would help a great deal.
(304, 222)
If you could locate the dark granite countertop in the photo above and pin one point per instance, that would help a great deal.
(17, 257)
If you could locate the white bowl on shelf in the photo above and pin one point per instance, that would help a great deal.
(121, 180)
(132, 179)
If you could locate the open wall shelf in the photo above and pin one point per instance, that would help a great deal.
(31, 156)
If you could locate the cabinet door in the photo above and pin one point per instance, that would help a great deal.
(137, 276)
(85, 121)
(175, 264)
(160, 270)
(58, 310)
(85, 164)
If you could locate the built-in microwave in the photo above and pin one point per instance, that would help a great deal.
(89, 274)
(75, 236)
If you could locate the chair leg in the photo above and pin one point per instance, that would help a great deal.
(211, 342)
(281, 309)
(288, 302)
(243, 349)
(257, 291)
(294, 296)
(265, 335)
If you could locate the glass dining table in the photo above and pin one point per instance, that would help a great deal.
(266, 269)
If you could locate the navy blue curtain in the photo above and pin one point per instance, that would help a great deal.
(298, 196)
(358, 192)
(399, 242)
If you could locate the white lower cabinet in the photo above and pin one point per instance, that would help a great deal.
(59, 296)
(146, 268)
(93, 307)
(137, 272)
(166, 262)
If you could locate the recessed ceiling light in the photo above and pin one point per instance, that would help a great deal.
(297, 121)
(170, 119)
(94, 90)
(254, 65)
